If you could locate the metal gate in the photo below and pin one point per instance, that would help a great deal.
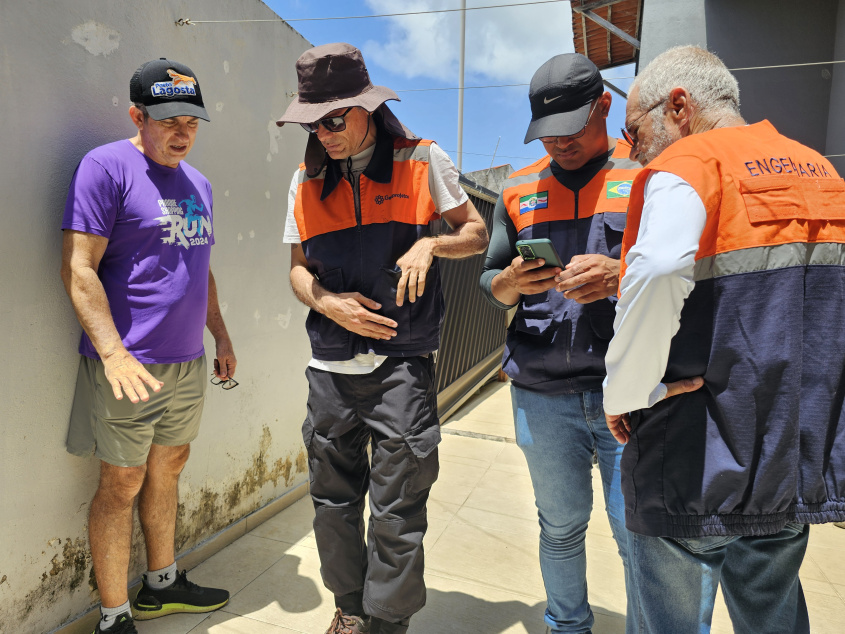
(472, 339)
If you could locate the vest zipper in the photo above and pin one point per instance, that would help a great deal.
(576, 203)
(354, 180)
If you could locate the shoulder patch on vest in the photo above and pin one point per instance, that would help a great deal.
(540, 200)
(619, 189)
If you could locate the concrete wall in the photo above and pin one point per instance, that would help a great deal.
(668, 23)
(835, 142)
(770, 32)
(65, 69)
(759, 33)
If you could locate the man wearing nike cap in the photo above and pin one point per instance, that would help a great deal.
(576, 197)
(135, 262)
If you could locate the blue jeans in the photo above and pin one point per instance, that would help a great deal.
(558, 435)
(676, 581)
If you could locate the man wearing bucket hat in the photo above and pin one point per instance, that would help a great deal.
(576, 197)
(135, 262)
(364, 259)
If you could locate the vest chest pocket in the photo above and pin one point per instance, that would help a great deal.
(533, 349)
(614, 228)
(601, 313)
(776, 198)
(325, 334)
(540, 326)
(384, 292)
(417, 322)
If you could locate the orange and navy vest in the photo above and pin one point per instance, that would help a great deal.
(352, 236)
(763, 442)
(556, 345)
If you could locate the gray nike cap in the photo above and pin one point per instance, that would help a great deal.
(561, 95)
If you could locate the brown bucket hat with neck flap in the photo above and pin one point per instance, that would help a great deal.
(334, 76)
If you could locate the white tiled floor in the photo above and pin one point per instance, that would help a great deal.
(482, 572)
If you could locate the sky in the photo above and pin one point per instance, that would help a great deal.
(418, 56)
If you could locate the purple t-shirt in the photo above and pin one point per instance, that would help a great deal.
(155, 267)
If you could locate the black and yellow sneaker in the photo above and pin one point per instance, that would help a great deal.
(122, 625)
(180, 596)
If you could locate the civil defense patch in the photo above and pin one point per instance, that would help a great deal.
(540, 200)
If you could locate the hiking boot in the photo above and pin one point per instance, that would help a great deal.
(348, 624)
(180, 596)
(122, 625)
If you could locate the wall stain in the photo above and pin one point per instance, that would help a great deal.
(76, 558)
(212, 509)
(199, 515)
(96, 38)
(68, 571)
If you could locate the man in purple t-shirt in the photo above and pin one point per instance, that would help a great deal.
(135, 262)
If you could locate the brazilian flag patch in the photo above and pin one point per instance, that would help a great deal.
(619, 189)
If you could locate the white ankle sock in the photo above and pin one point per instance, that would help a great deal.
(159, 579)
(108, 616)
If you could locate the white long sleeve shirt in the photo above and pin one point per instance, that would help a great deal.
(657, 281)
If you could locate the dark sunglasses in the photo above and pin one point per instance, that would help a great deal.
(631, 137)
(332, 124)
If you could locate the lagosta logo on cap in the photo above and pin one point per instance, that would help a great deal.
(180, 79)
(173, 88)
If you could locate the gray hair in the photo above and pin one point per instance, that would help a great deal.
(713, 89)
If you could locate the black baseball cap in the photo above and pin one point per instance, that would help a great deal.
(167, 89)
(561, 93)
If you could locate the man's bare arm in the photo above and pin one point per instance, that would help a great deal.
(349, 310)
(81, 255)
(468, 237)
(224, 358)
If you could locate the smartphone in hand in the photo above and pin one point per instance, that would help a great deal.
(539, 248)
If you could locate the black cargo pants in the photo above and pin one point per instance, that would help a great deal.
(395, 409)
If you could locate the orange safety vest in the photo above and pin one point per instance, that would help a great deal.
(607, 193)
(352, 238)
(405, 198)
(761, 444)
(556, 345)
(760, 197)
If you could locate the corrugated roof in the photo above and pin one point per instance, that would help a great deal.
(600, 45)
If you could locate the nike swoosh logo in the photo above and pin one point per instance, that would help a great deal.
(546, 100)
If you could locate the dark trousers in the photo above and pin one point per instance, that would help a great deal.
(394, 409)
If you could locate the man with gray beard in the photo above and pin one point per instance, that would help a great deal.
(732, 274)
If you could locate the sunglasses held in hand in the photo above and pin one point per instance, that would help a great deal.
(226, 384)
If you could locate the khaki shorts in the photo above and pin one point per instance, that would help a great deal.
(121, 432)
